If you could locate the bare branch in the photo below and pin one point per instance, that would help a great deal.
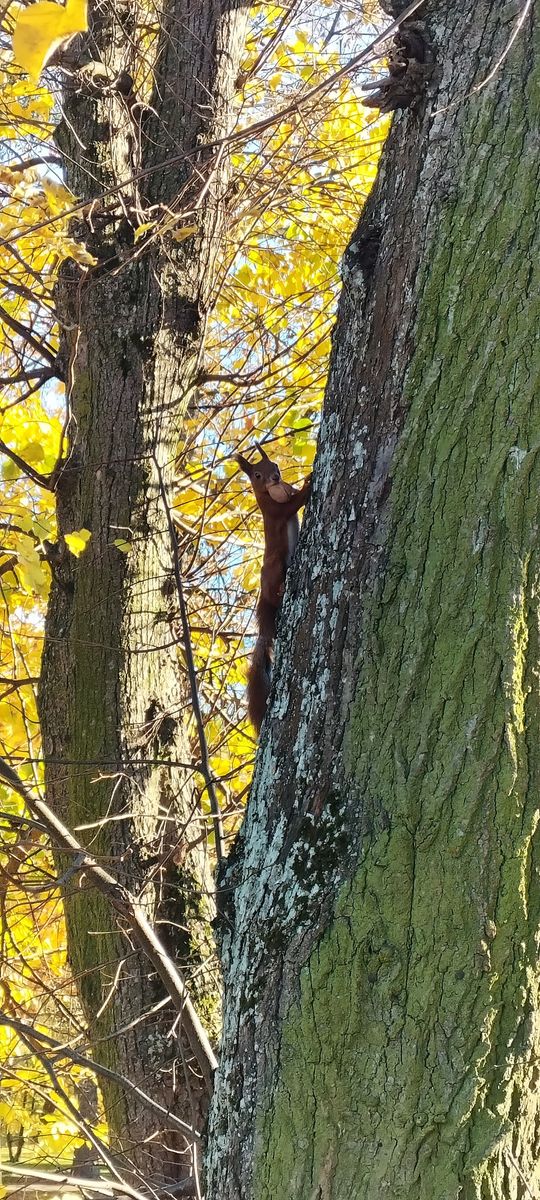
(38, 161)
(42, 480)
(25, 376)
(129, 908)
(59, 1050)
(40, 347)
(13, 684)
(105, 1187)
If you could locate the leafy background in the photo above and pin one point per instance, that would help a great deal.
(299, 184)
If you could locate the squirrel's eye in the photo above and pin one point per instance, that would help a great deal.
(258, 475)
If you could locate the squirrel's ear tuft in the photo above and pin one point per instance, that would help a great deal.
(262, 452)
(243, 464)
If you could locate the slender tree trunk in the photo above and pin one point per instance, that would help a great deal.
(113, 695)
(381, 1025)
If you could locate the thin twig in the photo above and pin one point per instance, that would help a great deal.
(203, 746)
(513, 1160)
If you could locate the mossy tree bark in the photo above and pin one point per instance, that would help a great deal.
(382, 1018)
(148, 95)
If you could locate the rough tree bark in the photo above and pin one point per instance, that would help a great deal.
(149, 90)
(381, 1028)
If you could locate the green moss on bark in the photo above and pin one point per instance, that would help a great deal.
(407, 1063)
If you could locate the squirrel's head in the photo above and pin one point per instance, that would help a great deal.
(262, 474)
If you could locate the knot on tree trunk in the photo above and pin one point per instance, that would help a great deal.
(410, 67)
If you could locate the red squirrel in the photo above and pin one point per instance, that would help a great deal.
(279, 504)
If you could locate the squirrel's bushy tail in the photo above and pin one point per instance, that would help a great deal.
(260, 668)
(259, 679)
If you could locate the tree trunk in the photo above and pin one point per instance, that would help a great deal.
(113, 694)
(381, 1025)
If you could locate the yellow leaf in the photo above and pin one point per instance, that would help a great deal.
(142, 229)
(30, 569)
(180, 235)
(43, 27)
(122, 545)
(33, 452)
(76, 541)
